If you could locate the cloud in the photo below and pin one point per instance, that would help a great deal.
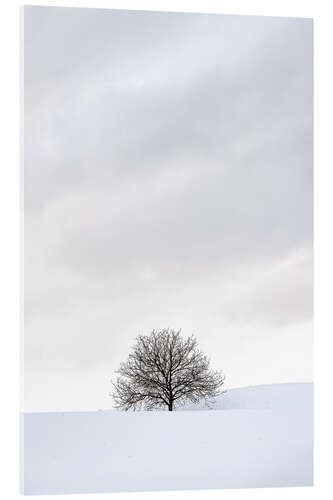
(168, 181)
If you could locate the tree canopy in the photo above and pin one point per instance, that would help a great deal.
(165, 369)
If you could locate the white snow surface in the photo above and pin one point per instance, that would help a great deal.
(255, 437)
(260, 397)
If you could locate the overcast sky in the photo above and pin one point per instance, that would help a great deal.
(168, 182)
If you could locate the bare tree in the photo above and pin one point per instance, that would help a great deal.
(165, 369)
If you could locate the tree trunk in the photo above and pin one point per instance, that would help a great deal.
(170, 406)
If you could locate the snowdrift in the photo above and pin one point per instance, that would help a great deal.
(261, 397)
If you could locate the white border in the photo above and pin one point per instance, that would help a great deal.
(9, 234)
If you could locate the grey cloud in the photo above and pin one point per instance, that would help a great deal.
(166, 155)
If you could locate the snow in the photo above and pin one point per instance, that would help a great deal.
(259, 437)
(261, 397)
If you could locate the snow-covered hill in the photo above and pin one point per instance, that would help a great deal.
(265, 439)
(260, 397)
